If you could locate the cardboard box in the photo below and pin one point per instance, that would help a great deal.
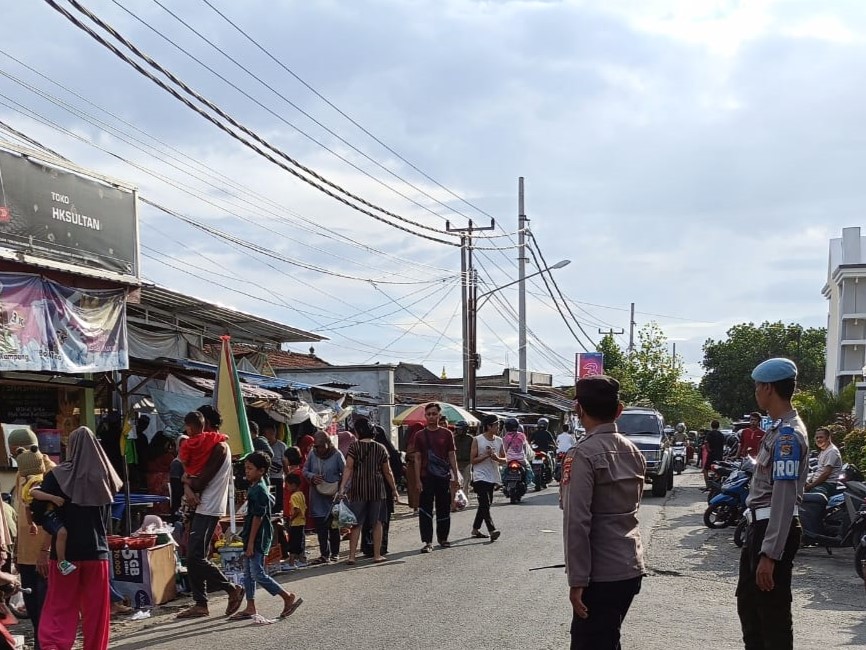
(145, 576)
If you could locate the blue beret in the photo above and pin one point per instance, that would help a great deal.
(775, 370)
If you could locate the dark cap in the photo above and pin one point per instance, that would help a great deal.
(597, 388)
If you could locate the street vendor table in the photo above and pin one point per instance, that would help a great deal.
(138, 504)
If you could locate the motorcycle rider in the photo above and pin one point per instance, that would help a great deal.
(542, 438)
(680, 434)
(564, 441)
(515, 445)
(829, 464)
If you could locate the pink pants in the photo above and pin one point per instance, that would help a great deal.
(81, 595)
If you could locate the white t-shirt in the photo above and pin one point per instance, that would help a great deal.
(487, 470)
(564, 442)
(215, 496)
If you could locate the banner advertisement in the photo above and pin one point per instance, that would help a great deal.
(66, 217)
(589, 364)
(45, 326)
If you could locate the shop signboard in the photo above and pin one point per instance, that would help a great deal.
(45, 326)
(63, 216)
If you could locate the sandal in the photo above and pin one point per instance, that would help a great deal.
(290, 609)
(240, 616)
(319, 560)
(349, 562)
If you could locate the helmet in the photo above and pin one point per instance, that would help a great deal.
(542, 423)
(462, 425)
(681, 427)
(511, 424)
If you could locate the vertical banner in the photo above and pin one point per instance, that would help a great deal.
(588, 364)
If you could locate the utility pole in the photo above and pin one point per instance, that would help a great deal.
(522, 222)
(611, 332)
(631, 325)
(469, 291)
(674, 355)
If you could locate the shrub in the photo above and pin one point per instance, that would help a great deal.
(855, 448)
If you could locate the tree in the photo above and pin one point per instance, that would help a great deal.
(820, 407)
(651, 377)
(729, 363)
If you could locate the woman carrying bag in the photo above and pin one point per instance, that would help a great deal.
(324, 469)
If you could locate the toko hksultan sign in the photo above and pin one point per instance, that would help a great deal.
(57, 215)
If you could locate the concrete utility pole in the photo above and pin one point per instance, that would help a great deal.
(469, 289)
(611, 332)
(631, 325)
(522, 222)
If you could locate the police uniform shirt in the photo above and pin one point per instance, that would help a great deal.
(782, 468)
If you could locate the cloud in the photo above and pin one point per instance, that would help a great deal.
(693, 158)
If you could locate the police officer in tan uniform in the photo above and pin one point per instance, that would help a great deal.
(773, 537)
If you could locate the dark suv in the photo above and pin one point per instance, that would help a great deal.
(645, 427)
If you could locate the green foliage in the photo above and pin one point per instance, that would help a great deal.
(855, 448)
(729, 363)
(651, 377)
(820, 407)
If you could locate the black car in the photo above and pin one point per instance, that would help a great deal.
(645, 427)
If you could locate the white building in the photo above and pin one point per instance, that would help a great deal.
(846, 321)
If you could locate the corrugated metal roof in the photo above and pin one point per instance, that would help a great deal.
(164, 307)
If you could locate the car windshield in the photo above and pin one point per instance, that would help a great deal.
(636, 424)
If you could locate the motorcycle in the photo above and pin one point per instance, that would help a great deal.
(717, 474)
(541, 468)
(679, 452)
(860, 551)
(843, 522)
(727, 507)
(514, 481)
(557, 468)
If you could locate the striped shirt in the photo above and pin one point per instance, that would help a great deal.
(368, 483)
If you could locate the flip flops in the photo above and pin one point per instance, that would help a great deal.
(290, 609)
(241, 616)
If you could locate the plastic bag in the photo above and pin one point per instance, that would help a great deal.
(460, 500)
(344, 516)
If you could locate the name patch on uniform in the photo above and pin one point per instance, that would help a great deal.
(786, 456)
(566, 469)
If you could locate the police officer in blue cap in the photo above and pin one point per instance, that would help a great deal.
(773, 537)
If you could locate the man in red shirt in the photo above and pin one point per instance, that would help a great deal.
(435, 475)
(750, 441)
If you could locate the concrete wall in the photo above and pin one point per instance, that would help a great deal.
(377, 381)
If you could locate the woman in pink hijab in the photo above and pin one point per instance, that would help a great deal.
(87, 483)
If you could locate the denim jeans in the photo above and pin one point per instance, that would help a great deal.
(254, 572)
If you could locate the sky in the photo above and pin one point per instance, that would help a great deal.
(693, 157)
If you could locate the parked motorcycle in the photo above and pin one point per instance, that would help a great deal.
(860, 550)
(727, 507)
(514, 481)
(680, 455)
(717, 474)
(843, 522)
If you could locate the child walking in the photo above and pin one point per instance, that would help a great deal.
(31, 465)
(257, 534)
(297, 521)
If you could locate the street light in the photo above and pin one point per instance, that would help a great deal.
(475, 303)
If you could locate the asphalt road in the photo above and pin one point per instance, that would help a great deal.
(482, 595)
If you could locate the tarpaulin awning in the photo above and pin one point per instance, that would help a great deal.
(248, 390)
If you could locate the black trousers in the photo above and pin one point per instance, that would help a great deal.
(607, 603)
(435, 491)
(765, 616)
(38, 585)
(329, 538)
(278, 482)
(484, 492)
(204, 575)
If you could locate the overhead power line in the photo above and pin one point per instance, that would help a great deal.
(319, 183)
(341, 112)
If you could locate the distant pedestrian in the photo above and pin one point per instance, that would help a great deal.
(715, 449)
(275, 475)
(435, 465)
(368, 471)
(344, 439)
(296, 513)
(324, 469)
(413, 491)
(773, 537)
(602, 485)
(463, 448)
(257, 535)
(486, 456)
